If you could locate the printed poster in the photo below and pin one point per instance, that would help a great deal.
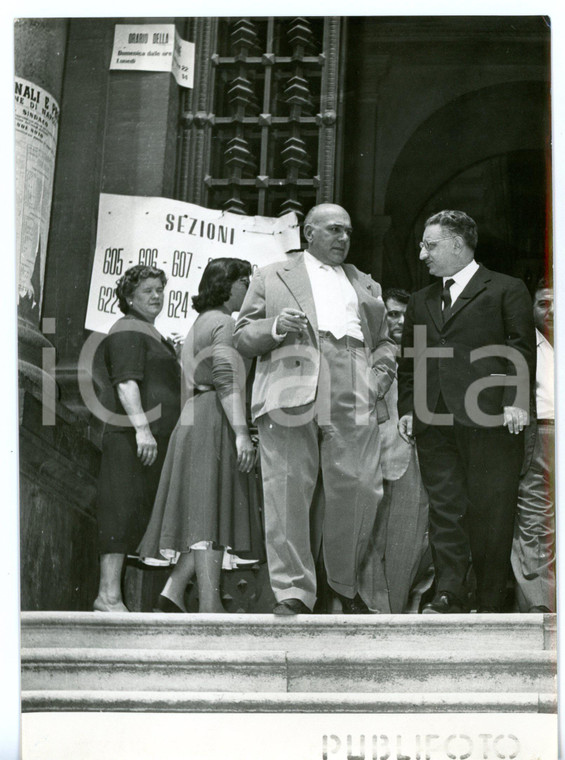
(36, 125)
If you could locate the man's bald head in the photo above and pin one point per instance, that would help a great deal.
(320, 210)
(327, 229)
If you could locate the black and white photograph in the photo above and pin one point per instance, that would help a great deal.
(281, 449)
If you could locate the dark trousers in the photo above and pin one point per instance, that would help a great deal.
(471, 476)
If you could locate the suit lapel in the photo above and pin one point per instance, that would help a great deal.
(433, 303)
(476, 285)
(295, 277)
(361, 284)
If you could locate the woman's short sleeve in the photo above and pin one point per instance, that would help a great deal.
(125, 355)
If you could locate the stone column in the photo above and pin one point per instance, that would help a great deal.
(39, 46)
(118, 134)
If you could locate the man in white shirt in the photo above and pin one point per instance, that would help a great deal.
(324, 363)
(533, 550)
(464, 379)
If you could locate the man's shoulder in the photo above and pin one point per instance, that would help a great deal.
(423, 293)
(354, 273)
(499, 278)
(292, 258)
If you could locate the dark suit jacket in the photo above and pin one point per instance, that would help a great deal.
(287, 371)
(493, 310)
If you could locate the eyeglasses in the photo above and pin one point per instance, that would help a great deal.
(429, 244)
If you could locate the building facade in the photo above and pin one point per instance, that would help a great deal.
(393, 118)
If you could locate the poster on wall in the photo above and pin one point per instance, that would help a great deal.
(179, 238)
(36, 126)
(153, 47)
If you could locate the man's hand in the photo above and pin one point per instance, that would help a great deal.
(291, 320)
(405, 424)
(515, 419)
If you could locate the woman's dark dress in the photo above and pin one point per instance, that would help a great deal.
(134, 350)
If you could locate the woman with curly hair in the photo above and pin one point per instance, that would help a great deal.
(207, 499)
(145, 375)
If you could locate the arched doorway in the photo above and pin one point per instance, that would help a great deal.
(446, 112)
(486, 153)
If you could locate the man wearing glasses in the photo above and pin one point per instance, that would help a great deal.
(468, 362)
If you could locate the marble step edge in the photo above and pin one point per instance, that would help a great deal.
(272, 622)
(88, 657)
(285, 702)
(136, 630)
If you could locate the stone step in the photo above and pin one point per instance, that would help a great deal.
(359, 670)
(332, 633)
(286, 702)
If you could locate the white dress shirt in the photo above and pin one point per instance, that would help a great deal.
(461, 280)
(337, 307)
(335, 299)
(545, 405)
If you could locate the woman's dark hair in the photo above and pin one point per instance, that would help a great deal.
(128, 282)
(218, 277)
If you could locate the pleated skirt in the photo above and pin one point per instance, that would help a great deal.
(202, 496)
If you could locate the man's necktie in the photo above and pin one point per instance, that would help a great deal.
(446, 297)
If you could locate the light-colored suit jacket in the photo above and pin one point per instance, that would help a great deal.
(287, 371)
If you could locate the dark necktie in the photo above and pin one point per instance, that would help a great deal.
(446, 297)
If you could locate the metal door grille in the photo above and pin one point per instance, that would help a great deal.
(259, 130)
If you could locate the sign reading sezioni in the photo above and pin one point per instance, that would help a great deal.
(179, 238)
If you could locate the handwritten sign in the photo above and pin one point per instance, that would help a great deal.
(179, 238)
(153, 47)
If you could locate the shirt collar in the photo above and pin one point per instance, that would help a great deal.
(315, 263)
(463, 276)
(541, 340)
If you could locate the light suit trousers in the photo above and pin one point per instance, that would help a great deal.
(323, 456)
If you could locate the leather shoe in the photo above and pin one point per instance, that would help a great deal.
(539, 608)
(164, 604)
(443, 603)
(354, 606)
(291, 607)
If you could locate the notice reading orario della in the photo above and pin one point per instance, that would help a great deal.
(153, 47)
(37, 121)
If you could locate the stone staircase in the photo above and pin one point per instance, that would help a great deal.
(81, 661)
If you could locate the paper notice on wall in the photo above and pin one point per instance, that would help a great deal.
(179, 238)
(37, 121)
(153, 47)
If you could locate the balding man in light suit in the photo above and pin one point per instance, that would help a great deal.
(325, 360)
